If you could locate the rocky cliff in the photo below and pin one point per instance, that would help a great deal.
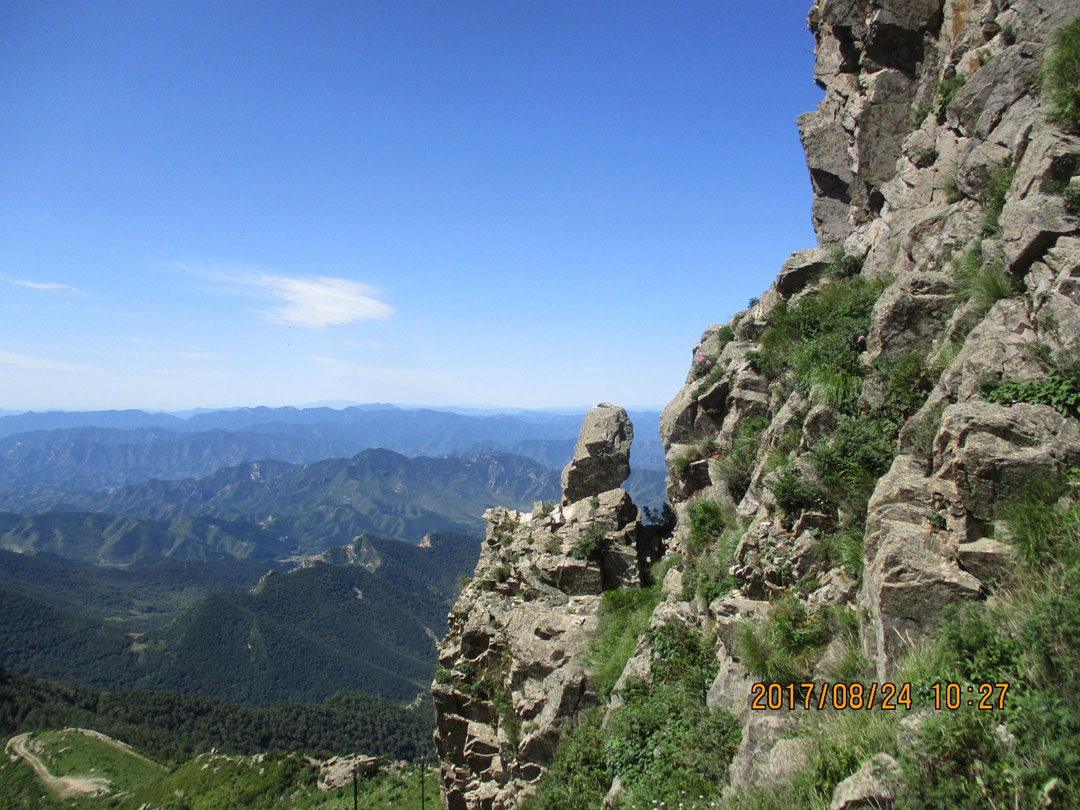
(512, 673)
(841, 451)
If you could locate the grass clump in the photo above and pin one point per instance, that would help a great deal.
(816, 339)
(843, 548)
(579, 776)
(850, 460)
(993, 198)
(841, 265)
(664, 743)
(711, 544)
(590, 542)
(1062, 78)
(1026, 754)
(794, 493)
(624, 616)
(739, 464)
(981, 281)
(783, 647)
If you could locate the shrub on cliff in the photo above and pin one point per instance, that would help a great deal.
(1062, 82)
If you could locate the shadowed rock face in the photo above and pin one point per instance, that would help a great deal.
(602, 455)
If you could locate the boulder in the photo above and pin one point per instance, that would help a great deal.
(602, 455)
(873, 785)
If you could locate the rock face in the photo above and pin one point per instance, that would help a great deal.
(938, 186)
(930, 157)
(512, 672)
(601, 459)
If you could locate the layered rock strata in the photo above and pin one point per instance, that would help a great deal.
(513, 674)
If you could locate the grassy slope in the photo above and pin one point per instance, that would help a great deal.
(207, 782)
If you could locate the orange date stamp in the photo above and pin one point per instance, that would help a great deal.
(886, 696)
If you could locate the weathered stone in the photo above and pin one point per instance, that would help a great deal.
(602, 455)
(338, 772)
(991, 90)
(910, 314)
(873, 785)
(1049, 162)
(991, 450)
(986, 559)
(787, 758)
(761, 730)
(500, 656)
(978, 165)
(1030, 226)
(800, 269)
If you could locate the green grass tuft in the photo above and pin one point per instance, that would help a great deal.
(1062, 78)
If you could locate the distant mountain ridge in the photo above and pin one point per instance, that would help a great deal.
(297, 435)
(316, 506)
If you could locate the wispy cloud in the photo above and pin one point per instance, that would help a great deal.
(316, 303)
(404, 376)
(49, 286)
(370, 344)
(27, 361)
(311, 302)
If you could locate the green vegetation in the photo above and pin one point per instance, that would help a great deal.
(169, 727)
(841, 265)
(1024, 636)
(1062, 78)
(624, 616)
(714, 536)
(850, 460)
(1026, 754)
(993, 198)
(71, 753)
(738, 466)
(794, 493)
(1061, 391)
(663, 742)
(219, 782)
(302, 635)
(983, 282)
(817, 340)
(785, 646)
(843, 548)
(946, 91)
(590, 542)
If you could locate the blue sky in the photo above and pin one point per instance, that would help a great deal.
(528, 204)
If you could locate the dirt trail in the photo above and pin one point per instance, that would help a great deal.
(63, 786)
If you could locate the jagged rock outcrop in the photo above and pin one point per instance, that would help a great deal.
(601, 459)
(937, 177)
(512, 674)
(857, 452)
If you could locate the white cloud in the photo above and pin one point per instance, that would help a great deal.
(315, 303)
(312, 302)
(50, 286)
(27, 361)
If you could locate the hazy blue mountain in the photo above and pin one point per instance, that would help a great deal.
(363, 618)
(110, 539)
(160, 446)
(329, 502)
